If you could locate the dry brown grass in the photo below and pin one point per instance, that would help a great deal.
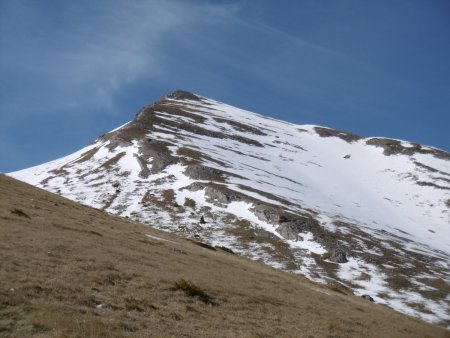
(74, 271)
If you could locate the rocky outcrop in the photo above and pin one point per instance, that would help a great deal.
(338, 255)
(328, 132)
(395, 147)
(201, 172)
(182, 95)
(240, 126)
(220, 194)
(369, 298)
(196, 186)
(158, 153)
(267, 213)
(291, 229)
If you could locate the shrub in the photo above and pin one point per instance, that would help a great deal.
(193, 290)
(19, 212)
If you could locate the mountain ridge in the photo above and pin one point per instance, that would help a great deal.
(367, 214)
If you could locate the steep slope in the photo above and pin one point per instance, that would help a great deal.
(68, 270)
(367, 215)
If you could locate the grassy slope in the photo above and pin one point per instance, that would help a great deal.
(65, 259)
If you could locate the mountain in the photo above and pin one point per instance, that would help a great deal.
(68, 270)
(369, 216)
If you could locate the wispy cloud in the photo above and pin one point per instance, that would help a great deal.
(100, 48)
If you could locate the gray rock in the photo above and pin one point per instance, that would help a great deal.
(291, 229)
(201, 172)
(394, 147)
(267, 213)
(368, 298)
(183, 95)
(338, 255)
(221, 194)
(328, 132)
(196, 186)
(160, 161)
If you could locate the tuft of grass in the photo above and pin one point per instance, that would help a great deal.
(193, 290)
(19, 212)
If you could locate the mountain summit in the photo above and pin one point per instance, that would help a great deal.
(368, 215)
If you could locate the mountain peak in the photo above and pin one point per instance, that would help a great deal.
(182, 95)
(369, 215)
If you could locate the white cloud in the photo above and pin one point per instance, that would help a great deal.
(105, 46)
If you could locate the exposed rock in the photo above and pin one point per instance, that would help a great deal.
(267, 213)
(240, 126)
(196, 186)
(347, 156)
(201, 172)
(395, 147)
(368, 298)
(183, 95)
(222, 194)
(291, 229)
(392, 147)
(328, 132)
(160, 156)
(202, 220)
(338, 255)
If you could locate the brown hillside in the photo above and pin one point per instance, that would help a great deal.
(67, 270)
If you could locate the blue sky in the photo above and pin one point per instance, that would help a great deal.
(72, 70)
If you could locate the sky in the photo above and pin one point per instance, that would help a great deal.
(73, 70)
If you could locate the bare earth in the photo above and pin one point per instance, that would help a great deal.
(67, 270)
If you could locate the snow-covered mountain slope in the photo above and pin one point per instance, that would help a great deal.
(370, 215)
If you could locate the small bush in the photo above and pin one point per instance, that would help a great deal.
(193, 290)
(19, 212)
